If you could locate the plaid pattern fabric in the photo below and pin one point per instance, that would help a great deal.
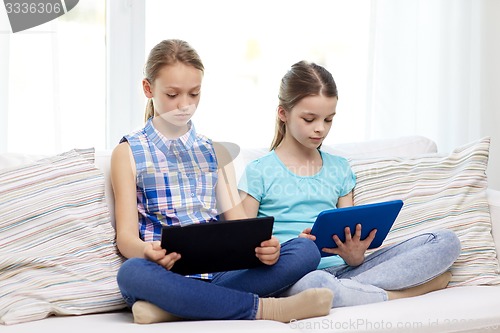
(176, 180)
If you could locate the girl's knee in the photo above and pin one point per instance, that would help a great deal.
(305, 250)
(127, 280)
(450, 243)
(128, 269)
(320, 279)
(307, 247)
(454, 241)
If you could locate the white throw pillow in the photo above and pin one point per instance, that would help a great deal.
(439, 192)
(57, 247)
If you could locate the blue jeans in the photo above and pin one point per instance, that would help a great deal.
(229, 295)
(400, 266)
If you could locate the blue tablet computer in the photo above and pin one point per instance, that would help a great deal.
(380, 216)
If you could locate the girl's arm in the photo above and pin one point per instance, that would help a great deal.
(345, 201)
(269, 251)
(228, 199)
(231, 204)
(129, 243)
(250, 204)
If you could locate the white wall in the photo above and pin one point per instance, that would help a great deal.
(490, 81)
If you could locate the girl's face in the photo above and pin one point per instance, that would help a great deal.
(309, 122)
(175, 93)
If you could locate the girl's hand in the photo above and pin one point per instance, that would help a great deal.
(269, 251)
(353, 249)
(155, 253)
(306, 233)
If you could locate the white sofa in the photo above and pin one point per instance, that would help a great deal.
(468, 308)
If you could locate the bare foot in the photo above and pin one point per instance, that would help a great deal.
(439, 282)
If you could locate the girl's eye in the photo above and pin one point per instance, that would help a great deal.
(195, 94)
(172, 95)
(308, 120)
(328, 120)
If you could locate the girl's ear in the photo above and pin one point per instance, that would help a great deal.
(146, 86)
(282, 114)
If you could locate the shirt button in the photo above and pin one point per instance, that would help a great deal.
(192, 194)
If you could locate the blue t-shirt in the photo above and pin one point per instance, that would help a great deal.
(295, 201)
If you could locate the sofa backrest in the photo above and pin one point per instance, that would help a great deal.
(402, 146)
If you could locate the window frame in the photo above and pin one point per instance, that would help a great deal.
(125, 53)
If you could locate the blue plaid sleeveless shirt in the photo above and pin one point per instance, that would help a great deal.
(176, 180)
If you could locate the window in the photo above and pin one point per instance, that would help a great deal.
(247, 47)
(52, 87)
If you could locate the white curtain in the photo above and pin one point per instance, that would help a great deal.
(4, 70)
(430, 71)
(412, 67)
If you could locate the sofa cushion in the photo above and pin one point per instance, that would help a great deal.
(57, 248)
(494, 203)
(438, 191)
(403, 146)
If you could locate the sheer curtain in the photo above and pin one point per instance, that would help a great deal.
(432, 68)
(4, 98)
(413, 67)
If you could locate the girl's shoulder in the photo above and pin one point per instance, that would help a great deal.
(267, 158)
(135, 135)
(334, 160)
(333, 157)
(201, 138)
(257, 164)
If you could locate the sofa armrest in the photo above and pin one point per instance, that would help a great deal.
(494, 203)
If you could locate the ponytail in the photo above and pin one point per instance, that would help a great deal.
(279, 133)
(150, 110)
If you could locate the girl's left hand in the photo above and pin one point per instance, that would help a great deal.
(269, 251)
(353, 249)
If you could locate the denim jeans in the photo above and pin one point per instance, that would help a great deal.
(229, 295)
(400, 266)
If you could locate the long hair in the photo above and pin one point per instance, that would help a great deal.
(165, 53)
(302, 80)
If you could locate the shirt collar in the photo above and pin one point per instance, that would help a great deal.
(184, 142)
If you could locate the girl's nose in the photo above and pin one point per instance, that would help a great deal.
(183, 103)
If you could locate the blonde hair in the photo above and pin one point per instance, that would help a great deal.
(165, 53)
(302, 80)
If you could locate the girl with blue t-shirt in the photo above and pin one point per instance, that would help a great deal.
(296, 180)
(167, 174)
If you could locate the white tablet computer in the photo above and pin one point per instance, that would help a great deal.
(380, 216)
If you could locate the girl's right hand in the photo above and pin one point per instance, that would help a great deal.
(306, 233)
(155, 253)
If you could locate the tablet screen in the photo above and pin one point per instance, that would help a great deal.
(217, 246)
